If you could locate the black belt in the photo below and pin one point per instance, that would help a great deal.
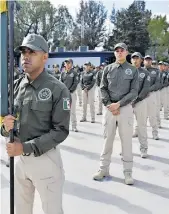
(113, 101)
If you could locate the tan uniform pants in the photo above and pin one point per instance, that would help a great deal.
(73, 110)
(124, 121)
(88, 97)
(158, 93)
(45, 173)
(152, 112)
(79, 93)
(100, 105)
(140, 111)
(164, 101)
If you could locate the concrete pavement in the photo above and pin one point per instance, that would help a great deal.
(82, 195)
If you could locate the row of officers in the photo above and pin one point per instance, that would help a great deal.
(124, 90)
(44, 106)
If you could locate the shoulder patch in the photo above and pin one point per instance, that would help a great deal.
(44, 94)
(128, 71)
(142, 75)
(66, 104)
(148, 78)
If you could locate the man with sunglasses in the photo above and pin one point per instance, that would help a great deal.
(119, 87)
(42, 107)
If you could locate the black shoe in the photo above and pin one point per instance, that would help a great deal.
(99, 113)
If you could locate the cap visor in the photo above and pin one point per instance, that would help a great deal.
(32, 47)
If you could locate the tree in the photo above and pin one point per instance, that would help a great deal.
(41, 17)
(130, 26)
(90, 24)
(158, 29)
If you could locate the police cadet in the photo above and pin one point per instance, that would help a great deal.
(140, 104)
(88, 80)
(57, 72)
(98, 81)
(119, 87)
(79, 90)
(166, 92)
(42, 104)
(70, 78)
(152, 99)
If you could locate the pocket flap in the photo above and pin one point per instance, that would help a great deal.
(41, 106)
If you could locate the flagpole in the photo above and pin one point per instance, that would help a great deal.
(11, 100)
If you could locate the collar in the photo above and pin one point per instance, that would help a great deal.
(41, 78)
(123, 65)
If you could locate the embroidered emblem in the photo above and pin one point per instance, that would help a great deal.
(44, 94)
(142, 75)
(128, 71)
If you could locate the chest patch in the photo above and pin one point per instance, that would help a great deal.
(153, 72)
(44, 94)
(128, 71)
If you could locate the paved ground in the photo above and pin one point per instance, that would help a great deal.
(82, 195)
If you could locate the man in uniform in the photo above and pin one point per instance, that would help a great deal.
(42, 106)
(79, 90)
(140, 103)
(166, 92)
(98, 81)
(88, 80)
(119, 87)
(70, 78)
(57, 72)
(152, 100)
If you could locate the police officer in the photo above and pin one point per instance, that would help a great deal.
(57, 72)
(166, 83)
(154, 64)
(88, 80)
(42, 104)
(119, 87)
(152, 99)
(140, 104)
(70, 78)
(98, 81)
(79, 90)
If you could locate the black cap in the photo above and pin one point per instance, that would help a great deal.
(69, 60)
(137, 54)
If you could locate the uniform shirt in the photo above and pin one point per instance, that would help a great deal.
(44, 113)
(144, 84)
(88, 80)
(57, 75)
(99, 77)
(154, 79)
(70, 79)
(119, 84)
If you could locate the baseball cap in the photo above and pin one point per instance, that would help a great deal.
(166, 64)
(138, 54)
(120, 45)
(148, 57)
(161, 63)
(154, 62)
(88, 63)
(69, 60)
(103, 64)
(34, 42)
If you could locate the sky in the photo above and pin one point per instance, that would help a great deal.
(156, 6)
